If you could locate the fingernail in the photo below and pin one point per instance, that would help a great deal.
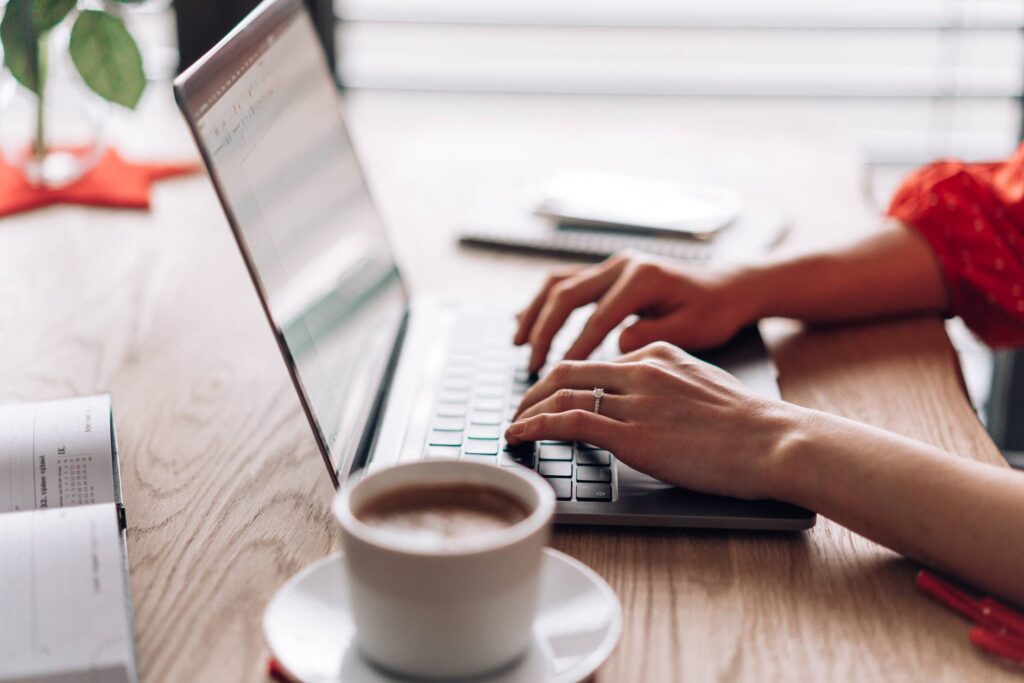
(516, 429)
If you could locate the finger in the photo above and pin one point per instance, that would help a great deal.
(575, 425)
(621, 300)
(564, 298)
(527, 316)
(562, 401)
(583, 375)
(660, 352)
(672, 328)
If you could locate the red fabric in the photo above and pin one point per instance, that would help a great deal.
(972, 215)
(112, 182)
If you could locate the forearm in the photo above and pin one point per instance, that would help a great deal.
(888, 273)
(952, 513)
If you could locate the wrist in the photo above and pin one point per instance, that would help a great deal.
(791, 446)
(748, 290)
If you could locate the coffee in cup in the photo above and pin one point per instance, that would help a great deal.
(441, 517)
(444, 564)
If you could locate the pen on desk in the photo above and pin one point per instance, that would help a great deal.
(1007, 619)
(999, 644)
(999, 630)
(986, 612)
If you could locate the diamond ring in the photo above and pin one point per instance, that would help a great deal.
(598, 393)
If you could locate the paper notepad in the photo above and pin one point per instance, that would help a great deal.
(65, 607)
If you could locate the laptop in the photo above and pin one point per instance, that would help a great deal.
(383, 377)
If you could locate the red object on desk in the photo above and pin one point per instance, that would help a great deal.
(999, 630)
(277, 672)
(113, 182)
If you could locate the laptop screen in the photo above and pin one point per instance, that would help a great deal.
(266, 111)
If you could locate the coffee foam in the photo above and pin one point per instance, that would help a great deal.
(441, 517)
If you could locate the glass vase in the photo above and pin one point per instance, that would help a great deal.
(57, 137)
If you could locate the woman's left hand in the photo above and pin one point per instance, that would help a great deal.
(664, 413)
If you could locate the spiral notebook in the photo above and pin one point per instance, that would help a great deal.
(753, 232)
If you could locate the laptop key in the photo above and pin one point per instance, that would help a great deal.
(506, 459)
(600, 492)
(594, 474)
(450, 452)
(449, 424)
(593, 458)
(557, 443)
(562, 487)
(483, 459)
(555, 469)
(489, 392)
(489, 404)
(451, 409)
(555, 452)
(481, 447)
(496, 377)
(445, 438)
(456, 383)
(457, 372)
(460, 366)
(483, 432)
(486, 417)
(454, 397)
(523, 454)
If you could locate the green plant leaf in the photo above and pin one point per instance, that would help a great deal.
(20, 39)
(107, 58)
(24, 23)
(48, 13)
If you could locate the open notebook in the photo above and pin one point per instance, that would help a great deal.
(65, 607)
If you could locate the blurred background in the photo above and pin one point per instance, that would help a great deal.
(911, 80)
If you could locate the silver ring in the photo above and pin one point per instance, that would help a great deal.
(598, 393)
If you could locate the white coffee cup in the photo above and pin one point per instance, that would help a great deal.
(453, 612)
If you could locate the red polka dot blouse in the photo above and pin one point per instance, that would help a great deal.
(973, 217)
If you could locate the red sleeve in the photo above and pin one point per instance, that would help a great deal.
(972, 215)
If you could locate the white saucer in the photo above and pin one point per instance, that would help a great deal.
(309, 629)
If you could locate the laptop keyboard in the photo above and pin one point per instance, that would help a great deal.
(482, 383)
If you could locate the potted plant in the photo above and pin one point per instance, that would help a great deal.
(65, 63)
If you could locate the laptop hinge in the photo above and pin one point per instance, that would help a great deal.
(373, 423)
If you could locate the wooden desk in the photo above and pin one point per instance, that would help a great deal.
(225, 491)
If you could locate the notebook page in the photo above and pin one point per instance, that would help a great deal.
(56, 454)
(63, 599)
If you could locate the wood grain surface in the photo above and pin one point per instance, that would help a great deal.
(227, 495)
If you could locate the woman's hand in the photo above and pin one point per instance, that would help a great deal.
(691, 307)
(664, 413)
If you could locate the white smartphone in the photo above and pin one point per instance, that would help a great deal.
(590, 200)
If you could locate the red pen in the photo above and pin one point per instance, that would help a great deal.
(1009, 619)
(999, 630)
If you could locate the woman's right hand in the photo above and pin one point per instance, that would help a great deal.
(692, 307)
